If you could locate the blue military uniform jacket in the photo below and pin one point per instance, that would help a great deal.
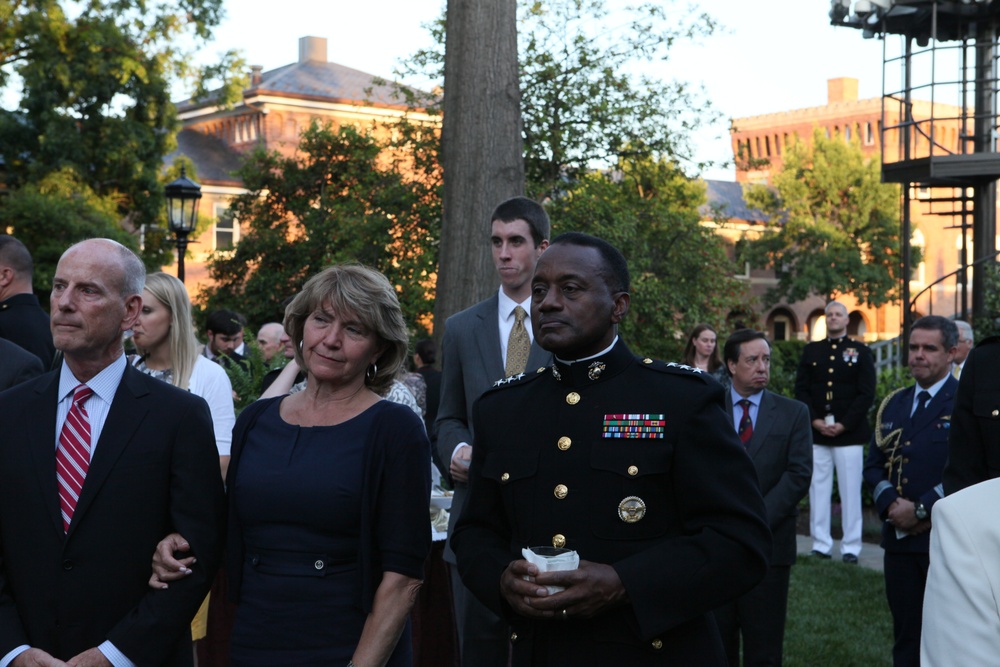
(632, 463)
(914, 461)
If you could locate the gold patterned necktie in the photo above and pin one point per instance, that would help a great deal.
(518, 345)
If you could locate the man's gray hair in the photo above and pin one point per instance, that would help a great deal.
(965, 330)
(832, 304)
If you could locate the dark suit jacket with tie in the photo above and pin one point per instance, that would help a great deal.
(923, 450)
(17, 365)
(781, 451)
(471, 363)
(155, 469)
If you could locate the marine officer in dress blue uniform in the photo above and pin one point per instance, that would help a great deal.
(905, 463)
(836, 379)
(630, 462)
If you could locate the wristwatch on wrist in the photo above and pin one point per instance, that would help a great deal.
(920, 511)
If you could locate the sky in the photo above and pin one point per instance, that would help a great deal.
(769, 57)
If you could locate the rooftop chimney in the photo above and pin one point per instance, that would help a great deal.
(844, 89)
(256, 76)
(312, 48)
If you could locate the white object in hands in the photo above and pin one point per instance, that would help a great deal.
(551, 559)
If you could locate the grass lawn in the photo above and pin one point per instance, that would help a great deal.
(837, 616)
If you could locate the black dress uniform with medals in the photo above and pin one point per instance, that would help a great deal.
(837, 377)
(632, 463)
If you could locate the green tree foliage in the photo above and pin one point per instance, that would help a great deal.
(52, 214)
(93, 80)
(583, 105)
(680, 272)
(834, 225)
(345, 196)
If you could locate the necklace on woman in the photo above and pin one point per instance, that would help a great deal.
(167, 374)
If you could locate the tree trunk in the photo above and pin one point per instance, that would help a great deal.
(481, 147)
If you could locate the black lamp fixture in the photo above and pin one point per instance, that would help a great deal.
(183, 196)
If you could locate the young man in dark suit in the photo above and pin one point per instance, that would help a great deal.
(97, 463)
(475, 354)
(778, 438)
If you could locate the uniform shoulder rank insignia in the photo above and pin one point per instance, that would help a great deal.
(675, 368)
(508, 380)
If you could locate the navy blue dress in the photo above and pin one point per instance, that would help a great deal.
(298, 500)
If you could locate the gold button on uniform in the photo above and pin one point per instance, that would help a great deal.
(558, 541)
(504, 477)
(829, 384)
(513, 636)
(561, 491)
(995, 413)
(832, 357)
(572, 398)
(564, 443)
(657, 644)
(633, 470)
(647, 360)
(829, 370)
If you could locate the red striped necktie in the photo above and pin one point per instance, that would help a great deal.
(746, 424)
(73, 454)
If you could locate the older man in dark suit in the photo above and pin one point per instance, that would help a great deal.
(778, 438)
(482, 344)
(97, 463)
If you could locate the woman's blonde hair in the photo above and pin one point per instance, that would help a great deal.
(172, 294)
(368, 296)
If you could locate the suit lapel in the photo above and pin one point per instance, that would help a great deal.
(765, 419)
(42, 442)
(488, 339)
(537, 358)
(126, 414)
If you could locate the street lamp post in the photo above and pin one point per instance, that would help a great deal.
(183, 196)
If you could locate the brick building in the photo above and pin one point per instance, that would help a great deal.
(276, 107)
(758, 143)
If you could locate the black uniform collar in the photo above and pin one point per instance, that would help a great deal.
(22, 299)
(578, 373)
(842, 339)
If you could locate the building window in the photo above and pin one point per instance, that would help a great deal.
(227, 230)
(869, 135)
(767, 146)
(777, 146)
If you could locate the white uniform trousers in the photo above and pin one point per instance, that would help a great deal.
(849, 461)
